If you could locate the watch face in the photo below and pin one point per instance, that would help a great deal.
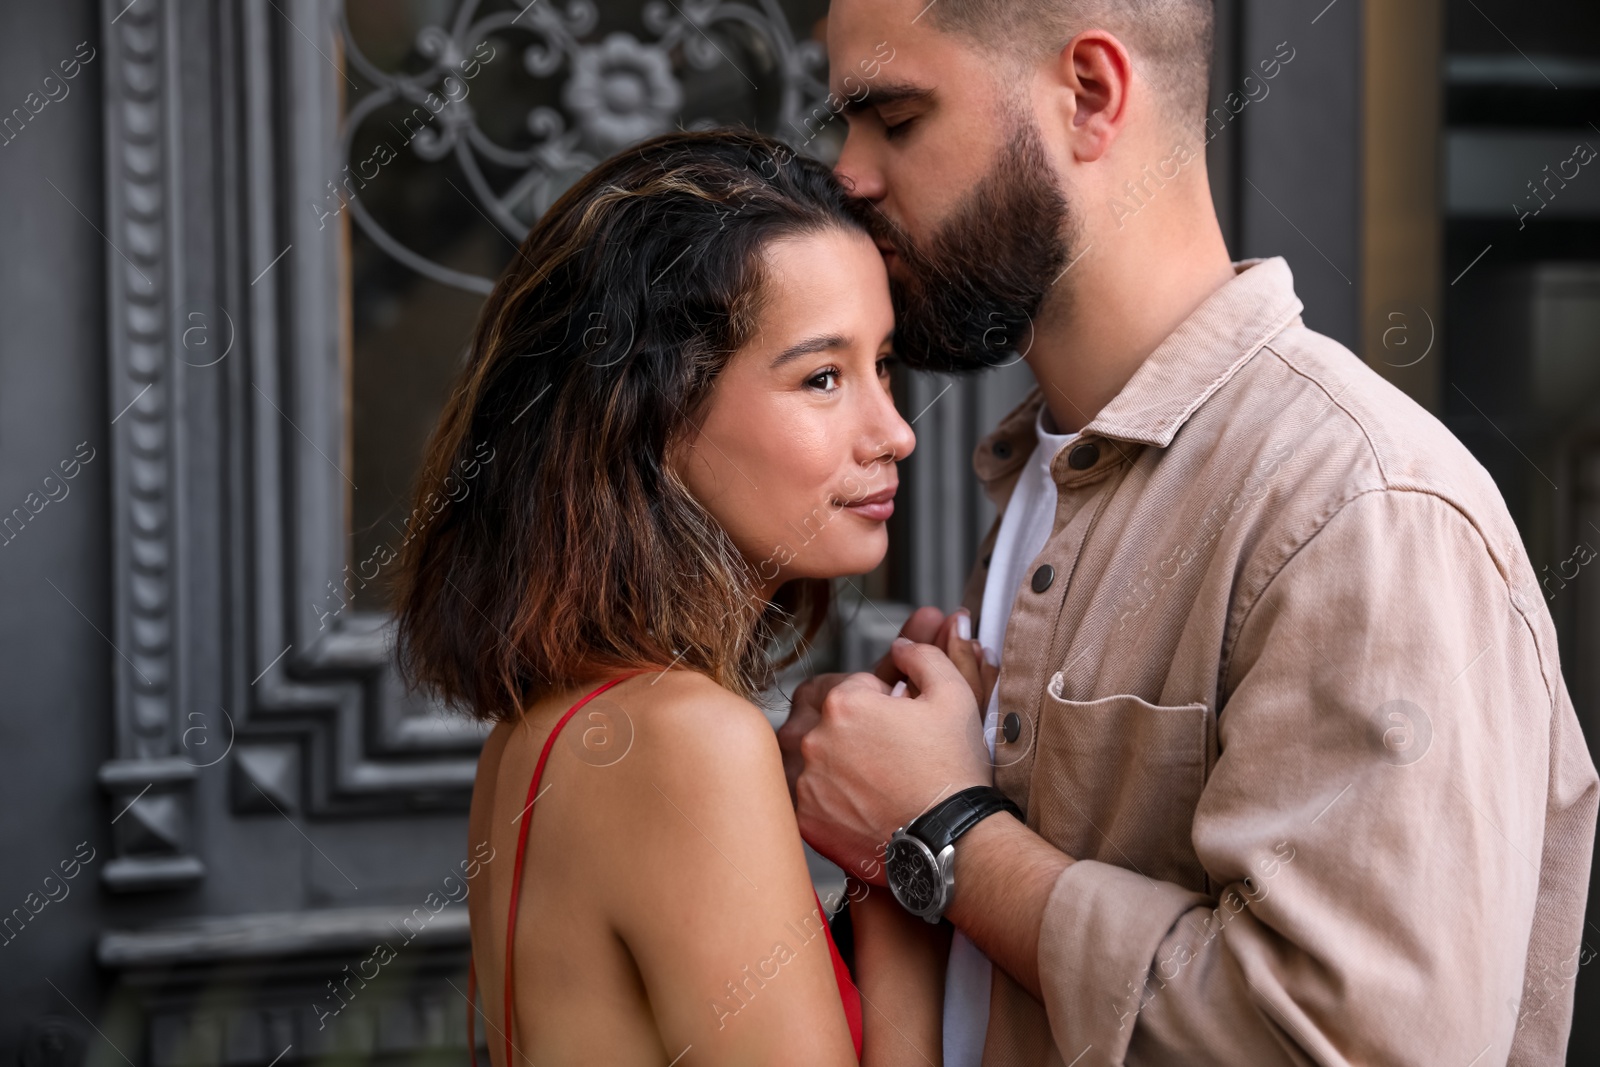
(913, 875)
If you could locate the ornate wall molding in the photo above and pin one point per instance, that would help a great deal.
(326, 689)
(288, 962)
(150, 787)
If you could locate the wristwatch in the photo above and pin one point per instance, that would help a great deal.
(921, 858)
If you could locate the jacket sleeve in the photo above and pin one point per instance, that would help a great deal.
(1396, 747)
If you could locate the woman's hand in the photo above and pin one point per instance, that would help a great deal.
(970, 657)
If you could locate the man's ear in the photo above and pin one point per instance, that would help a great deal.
(1095, 74)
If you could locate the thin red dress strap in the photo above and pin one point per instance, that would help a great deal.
(849, 995)
(522, 847)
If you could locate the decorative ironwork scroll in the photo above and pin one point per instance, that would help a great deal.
(614, 91)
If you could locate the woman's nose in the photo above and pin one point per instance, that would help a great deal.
(891, 434)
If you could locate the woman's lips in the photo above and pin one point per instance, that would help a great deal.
(876, 507)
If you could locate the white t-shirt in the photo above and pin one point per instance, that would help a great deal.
(1024, 528)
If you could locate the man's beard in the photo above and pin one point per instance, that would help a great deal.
(970, 296)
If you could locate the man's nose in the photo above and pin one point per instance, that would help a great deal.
(857, 171)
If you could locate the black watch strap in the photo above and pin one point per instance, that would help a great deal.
(955, 815)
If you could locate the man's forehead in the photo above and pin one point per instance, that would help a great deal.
(865, 34)
(863, 23)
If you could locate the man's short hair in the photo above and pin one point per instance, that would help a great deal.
(1172, 38)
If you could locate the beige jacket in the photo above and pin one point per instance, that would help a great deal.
(1285, 686)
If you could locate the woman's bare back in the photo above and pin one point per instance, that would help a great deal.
(663, 878)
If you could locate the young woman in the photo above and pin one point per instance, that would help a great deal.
(683, 380)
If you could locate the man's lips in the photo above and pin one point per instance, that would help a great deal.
(893, 261)
(877, 506)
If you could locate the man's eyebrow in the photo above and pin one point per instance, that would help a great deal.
(885, 94)
(820, 343)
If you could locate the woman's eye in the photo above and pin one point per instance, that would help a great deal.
(884, 363)
(827, 380)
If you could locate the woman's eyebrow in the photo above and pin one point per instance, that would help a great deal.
(827, 342)
(885, 94)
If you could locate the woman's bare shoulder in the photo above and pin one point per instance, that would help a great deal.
(490, 758)
(684, 722)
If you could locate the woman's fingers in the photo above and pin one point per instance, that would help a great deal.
(966, 655)
(957, 624)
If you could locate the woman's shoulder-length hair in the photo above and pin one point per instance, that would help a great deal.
(551, 544)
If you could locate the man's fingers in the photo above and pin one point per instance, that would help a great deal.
(813, 689)
(805, 711)
(872, 682)
(927, 668)
(802, 717)
(861, 680)
(922, 627)
(848, 692)
(923, 624)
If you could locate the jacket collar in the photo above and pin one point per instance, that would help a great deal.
(1198, 358)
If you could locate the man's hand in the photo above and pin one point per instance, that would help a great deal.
(927, 624)
(874, 761)
(805, 711)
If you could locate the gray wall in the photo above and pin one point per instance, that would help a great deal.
(1299, 193)
(53, 577)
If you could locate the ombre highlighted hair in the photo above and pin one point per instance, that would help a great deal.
(576, 553)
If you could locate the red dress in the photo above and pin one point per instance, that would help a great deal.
(841, 973)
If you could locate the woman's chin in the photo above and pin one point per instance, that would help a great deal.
(860, 556)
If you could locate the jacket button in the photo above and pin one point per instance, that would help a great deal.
(1002, 449)
(986, 559)
(1011, 727)
(1043, 577)
(1083, 457)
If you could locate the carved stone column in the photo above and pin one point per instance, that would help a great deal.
(149, 783)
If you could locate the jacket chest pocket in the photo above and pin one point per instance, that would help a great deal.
(1118, 779)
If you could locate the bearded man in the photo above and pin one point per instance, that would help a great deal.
(1280, 767)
